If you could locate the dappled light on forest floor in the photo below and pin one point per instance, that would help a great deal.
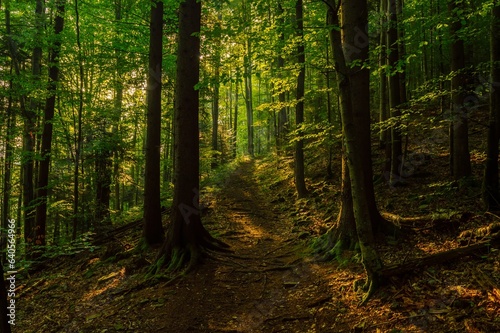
(108, 282)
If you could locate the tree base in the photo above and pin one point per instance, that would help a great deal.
(331, 245)
(183, 257)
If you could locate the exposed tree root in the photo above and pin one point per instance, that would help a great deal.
(332, 244)
(184, 257)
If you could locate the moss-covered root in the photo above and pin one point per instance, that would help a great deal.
(371, 285)
(373, 265)
(331, 245)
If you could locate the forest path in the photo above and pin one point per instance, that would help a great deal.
(267, 285)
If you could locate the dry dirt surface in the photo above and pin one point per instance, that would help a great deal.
(270, 283)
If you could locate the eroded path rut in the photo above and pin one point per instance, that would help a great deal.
(265, 286)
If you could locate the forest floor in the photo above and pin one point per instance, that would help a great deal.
(270, 283)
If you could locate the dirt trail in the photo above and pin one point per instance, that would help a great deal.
(265, 286)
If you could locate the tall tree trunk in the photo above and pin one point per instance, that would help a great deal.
(215, 113)
(459, 129)
(7, 172)
(216, 99)
(299, 108)
(102, 220)
(282, 116)
(235, 123)
(355, 118)
(329, 171)
(76, 172)
(118, 104)
(30, 118)
(401, 53)
(384, 113)
(186, 236)
(153, 229)
(249, 97)
(394, 94)
(491, 191)
(46, 144)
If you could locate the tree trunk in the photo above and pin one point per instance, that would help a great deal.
(118, 104)
(29, 116)
(459, 131)
(282, 116)
(7, 172)
(46, 144)
(355, 116)
(102, 222)
(76, 177)
(299, 108)
(491, 191)
(215, 113)
(394, 94)
(342, 235)
(235, 131)
(186, 236)
(153, 229)
(384, 138)
(249, 97)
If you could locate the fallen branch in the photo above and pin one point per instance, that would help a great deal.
(438, 258)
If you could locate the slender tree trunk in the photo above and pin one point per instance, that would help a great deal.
(235, 123)
(153, 229)
(118, 103)
(402, 54)
(299, 109)
(384, 137)
(102, 220)
(186, 236)
(7, 172)
(491, 191)
(215, 113)
(329, 171)
(76, 173)
(46, 144)
(282, 116)
(249, 98)
(459, 130)
(394, 94)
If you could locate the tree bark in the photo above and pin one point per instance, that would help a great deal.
(235, 124)
(78, 148)
(384, 137)
(491, 190)
(459, 130)
(342, 235)
(300, 184)
(153, 229)
(352, 77)
(282, 116)
(7, 172)
(186, 236)
(249, 97)
(394, 94)
(46, 144)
